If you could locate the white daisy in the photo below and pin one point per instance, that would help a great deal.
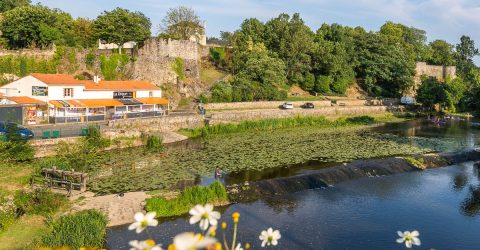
(144, 245)
(205, 215)
(189, 241)
(270, 237)
(410, 238)
(239, 247)
(143, 221)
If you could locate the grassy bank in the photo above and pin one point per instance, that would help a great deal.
(83, 229)
(274, 124)
(213, 194)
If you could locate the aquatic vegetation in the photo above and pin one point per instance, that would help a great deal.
(277, 123)
(418, 163)
(253, 150)
(215, 193)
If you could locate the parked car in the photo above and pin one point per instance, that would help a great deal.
(24, 132)
(308, 105)
(287, 105)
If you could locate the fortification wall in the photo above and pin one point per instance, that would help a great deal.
(440, 72)
(155, 59)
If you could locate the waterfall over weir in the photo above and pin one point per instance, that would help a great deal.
(354, 170)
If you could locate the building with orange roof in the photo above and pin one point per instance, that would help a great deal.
(66, 99)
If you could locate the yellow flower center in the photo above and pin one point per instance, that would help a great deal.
(150, 242)
(235, 216)
(205, 216)
(408, 237)
(144, 223)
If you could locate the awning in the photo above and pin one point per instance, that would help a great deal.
(129, 101)
(93, 103)
(153, 100)
(87, 103)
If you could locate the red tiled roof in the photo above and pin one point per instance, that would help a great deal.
(120, 85)
(25, 100)
(57, 79)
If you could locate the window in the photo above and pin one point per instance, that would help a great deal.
(68, 92)
(150, 94)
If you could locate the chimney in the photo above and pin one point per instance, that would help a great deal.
(96, 79)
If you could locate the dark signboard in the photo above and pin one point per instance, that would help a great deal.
(122, 95)
(39, 91)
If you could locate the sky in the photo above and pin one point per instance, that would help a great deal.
(442, 19)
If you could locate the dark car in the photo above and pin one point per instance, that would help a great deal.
(308, 105)
(23, 132)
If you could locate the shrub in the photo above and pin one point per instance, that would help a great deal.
(40, 202)
(361, 120)
(95, 139)
(178, 68)
(83, 229)
(154, 143)
(14, 148)
(215, 193)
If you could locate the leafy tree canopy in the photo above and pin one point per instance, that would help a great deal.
(120, 26)
(182, 23)
(6, 5)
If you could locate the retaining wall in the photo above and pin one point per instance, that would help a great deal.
(223, 117)
(260, 105)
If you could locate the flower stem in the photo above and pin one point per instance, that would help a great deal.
(225, 240)
(234, 235)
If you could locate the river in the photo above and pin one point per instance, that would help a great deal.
(443, 204)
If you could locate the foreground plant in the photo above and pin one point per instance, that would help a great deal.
(205, 215)
(270, 237)
(410, 238)
(144, 245)
(143, 221)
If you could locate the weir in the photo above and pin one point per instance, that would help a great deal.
(350, 171)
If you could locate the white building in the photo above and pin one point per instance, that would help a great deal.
(66, 99)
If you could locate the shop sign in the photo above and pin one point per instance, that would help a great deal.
(123, 95)
(39, 91)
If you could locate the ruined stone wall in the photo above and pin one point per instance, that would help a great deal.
(155, 59)
(439, 72)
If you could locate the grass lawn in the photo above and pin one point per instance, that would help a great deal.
(210, 75)
(14, 176)
(22, 233)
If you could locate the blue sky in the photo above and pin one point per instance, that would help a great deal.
(442, 19)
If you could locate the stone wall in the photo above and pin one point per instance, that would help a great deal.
(259, 105)
(170, 123)
(440, 72)
(224, 117)
(154, 60)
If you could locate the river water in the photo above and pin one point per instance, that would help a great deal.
(443, 204)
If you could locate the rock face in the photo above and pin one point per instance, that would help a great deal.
(154, 62)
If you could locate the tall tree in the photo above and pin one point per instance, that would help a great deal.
(442, 53)
(293, 41)
(6, 5)
(465, 52)
(120, 26)
(182, 23)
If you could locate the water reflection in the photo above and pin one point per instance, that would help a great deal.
(471, 204)
(460, 181)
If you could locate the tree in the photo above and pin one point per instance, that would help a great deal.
(36, 26)
(323, 84)
(431, 92)
(120, 26)
(412, 38)
(83, 33)
(442, 53)
(182, 23)
(6, 5)
(293, 41)
(308, 83)
(385, 68)
(465, 52)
